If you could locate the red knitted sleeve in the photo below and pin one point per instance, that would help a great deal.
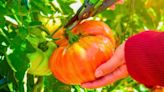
(144, 55)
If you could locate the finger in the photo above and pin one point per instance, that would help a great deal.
(116, 61)
(108, 79)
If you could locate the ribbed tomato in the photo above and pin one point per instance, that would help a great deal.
(76, 63)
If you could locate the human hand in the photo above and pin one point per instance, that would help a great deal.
(111, 71)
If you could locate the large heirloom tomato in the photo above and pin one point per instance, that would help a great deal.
(76, 63)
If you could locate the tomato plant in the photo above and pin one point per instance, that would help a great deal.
(29, 33)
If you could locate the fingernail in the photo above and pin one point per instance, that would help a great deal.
(98, 73)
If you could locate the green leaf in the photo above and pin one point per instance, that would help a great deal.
(2, 22)
(65, 6)
(13, 4)
(20, 7)
(7, 73)
(25, 3)
(3, 11)
(18, 60)
(3, 44)
(35, 23)
(42, 6)
(30, 83)
(94, 1)
(23, 32)
(5, 68)
(53, 85)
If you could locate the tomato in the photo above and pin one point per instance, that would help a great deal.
(39, 59)
(76, 63)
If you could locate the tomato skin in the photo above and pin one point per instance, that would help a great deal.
(76, 63)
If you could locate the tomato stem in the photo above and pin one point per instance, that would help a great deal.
(89, 9)
(56, 30)
(71, 37)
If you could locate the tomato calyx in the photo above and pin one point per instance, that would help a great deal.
(71, 36)
(43, 46)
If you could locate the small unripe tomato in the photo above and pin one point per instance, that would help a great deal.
(39, 59)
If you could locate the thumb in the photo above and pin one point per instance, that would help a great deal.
(112, 64)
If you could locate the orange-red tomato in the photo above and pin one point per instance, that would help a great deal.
(76, 63)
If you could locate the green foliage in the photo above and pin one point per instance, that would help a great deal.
(19, 19)
(52, 85)
(133, 17)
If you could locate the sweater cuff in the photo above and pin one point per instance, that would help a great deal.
(144, 54)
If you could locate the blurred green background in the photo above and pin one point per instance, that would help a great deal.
(26, 23)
